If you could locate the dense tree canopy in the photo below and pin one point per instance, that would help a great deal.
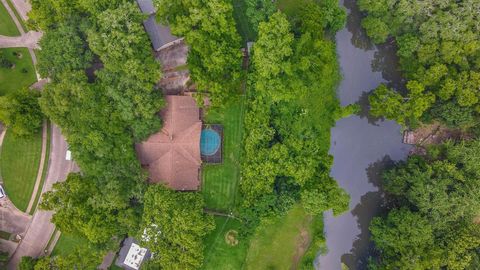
(287, 132)
(214, 59)
(20, 112)
(439, 198)
(439, 48)
(174, 225)
(102, 115)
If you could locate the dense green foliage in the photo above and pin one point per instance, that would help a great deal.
(20, 112)
(103, 115)
(287, 133)
(214, 59)
(81, 258)
(174, 225)
(81, 208)
(258, 11)
(27, 263)
(437, 200)
(439, 49)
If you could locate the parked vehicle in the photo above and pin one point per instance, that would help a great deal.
(68, 156)
(2, 192)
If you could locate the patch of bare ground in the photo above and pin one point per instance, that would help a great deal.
(429, 134)
(302, 242)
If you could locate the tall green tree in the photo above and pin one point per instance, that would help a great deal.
(21, 113)
(174, 225)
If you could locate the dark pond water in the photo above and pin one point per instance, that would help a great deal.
(362, 146)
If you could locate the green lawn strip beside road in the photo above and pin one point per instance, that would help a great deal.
(218, 253)
(19, 18)
(22, 75)
(19, 161)
(280, 243)
(7, 26)
(220, 182)
(44, 170)
(67, 243)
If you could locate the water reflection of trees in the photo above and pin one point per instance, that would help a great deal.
(371, 204)
(359, 36)
(386, 61)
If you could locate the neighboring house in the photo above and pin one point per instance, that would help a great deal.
(172, 155)
(160, 35)
(131, 255)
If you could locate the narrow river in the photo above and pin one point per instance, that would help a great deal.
(362, 147)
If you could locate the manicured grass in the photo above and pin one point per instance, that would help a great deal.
(220, 255)
(17, 78)
(243, 27)
(278, 243)
(7, 26)
(67, 244)
(44, 170)
(220, 182)
(19, 161)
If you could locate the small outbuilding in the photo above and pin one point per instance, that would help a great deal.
(131, 255)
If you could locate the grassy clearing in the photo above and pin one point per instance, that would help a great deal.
(243, 27)
(7, 26)
(280, 243)
(220, 182)
(19, 18)
(44, 170)
(67, 243)
(22, 75)
(219, 254)
(19, 161)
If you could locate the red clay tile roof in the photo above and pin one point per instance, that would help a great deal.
(172, 155)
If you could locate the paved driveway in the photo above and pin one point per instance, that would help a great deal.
(12, 220)
(29, 40)
(41, 229)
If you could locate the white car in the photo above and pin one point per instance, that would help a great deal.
(68, 155)
(2, 193)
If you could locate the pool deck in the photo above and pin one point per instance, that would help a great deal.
(217, 157)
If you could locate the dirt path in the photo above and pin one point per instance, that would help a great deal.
(40, 167)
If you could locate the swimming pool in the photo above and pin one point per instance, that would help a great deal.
(209, 142)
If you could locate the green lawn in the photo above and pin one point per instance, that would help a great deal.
(219, 254)
(7, 26)
(23, 75)
(19, 161)
(45, 168)
(277, 243)
(67, 243)
(220, 182)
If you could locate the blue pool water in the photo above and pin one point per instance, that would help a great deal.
(209, 142)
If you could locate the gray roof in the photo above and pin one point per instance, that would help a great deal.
(146, 6)
(160, 35)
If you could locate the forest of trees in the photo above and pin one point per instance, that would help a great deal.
(439, 50)
(287, 132)
(432, 220)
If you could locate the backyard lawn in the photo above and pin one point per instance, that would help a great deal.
(19, 161)
(219, 254)
(280, 243)
(7, 26)
(67, 243)
(22, 75)
(220, 181)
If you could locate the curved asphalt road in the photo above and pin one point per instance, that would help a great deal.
(41, 229)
